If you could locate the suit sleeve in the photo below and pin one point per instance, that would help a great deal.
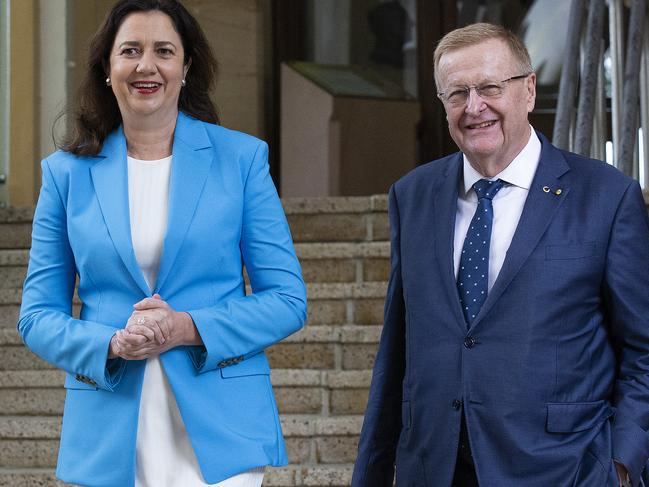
(382, 424)
(626, 285)
(242, 327)
(46, 323)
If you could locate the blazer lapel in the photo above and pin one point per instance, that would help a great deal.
(110, 180)
(538, 211)
(191, 164)
(445, 211)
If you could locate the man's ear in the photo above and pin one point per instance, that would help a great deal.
(531, 91)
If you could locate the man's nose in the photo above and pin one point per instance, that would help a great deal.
(474, 103)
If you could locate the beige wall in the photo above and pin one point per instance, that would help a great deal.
(23, 121)
(235, 31)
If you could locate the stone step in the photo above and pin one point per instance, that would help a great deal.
(35, 458)
(336, 290)
(334, 379)
(32, 442)
(13, 257)
(29, 477)
(9, 315)
(15, 228)
(338, 475)
(12, 277)
(338, 392)
(314, 250)
(357, 219)
(20, 358)
(290, 400)
(321, 262)
(13, 427)
(337, 219)
(313, 347)
(31, 379)
(329, 304)
(308, 334)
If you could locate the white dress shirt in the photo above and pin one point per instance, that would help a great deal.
(164, 455)
(507, 204)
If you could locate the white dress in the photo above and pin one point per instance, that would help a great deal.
(164, 455)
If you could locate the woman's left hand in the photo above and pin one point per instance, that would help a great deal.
(155, 327)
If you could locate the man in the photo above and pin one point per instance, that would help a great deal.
(515, 349)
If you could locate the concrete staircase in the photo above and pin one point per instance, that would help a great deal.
(321, 374)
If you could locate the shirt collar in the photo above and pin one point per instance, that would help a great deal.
(520, 172)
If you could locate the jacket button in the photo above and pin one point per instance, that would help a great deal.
(457, 404)
(469, 342)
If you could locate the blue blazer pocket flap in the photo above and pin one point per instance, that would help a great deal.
(71, 382)
(571, 417)
(254, 365)
(571, 251)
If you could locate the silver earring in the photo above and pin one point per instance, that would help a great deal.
(183, 82)
(108, 81)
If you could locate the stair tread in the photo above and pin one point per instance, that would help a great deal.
(336, 379)
(289, 476)
(20, 427)
(328, 290)
(308, 334)
(335, 204)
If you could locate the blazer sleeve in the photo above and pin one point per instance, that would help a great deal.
(46, 323)
(626, 284)
(242, 327)
(382, 423)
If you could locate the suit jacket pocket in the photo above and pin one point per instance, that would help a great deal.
(571, 417)
(570, 251)
(255, 365)
(71, 382)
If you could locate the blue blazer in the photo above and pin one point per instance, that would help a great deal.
(553, 374)
(224, 213)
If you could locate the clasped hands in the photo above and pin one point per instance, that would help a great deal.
(153, 328)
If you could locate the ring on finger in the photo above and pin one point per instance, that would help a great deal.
(140, 321)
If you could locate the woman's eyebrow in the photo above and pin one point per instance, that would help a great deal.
(156, 43)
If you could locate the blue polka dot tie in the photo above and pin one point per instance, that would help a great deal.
(473, 275)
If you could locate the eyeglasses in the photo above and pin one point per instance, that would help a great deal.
(458, 96)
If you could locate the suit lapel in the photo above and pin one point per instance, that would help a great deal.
(190, 166)
(538, 211)
(110, 180)
(445, 211)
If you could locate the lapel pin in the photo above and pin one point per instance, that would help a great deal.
(547, 189)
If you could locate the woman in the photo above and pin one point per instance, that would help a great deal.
(156, 209)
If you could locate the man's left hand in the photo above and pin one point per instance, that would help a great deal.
(622, 475)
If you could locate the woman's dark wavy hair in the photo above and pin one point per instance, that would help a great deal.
(96, 113)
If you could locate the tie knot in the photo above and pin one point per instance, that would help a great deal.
(487, 189)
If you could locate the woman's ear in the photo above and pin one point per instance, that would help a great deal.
(186, 67)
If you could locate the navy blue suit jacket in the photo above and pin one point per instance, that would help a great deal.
(553, 374)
